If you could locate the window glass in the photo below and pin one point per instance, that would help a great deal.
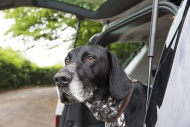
(125, 51)
(93, 5)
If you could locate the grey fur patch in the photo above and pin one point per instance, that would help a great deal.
(76, 88)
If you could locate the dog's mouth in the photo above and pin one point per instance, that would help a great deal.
(68, 96)
(64, 96)
(67, 99)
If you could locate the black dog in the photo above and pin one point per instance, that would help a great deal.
(94, 76)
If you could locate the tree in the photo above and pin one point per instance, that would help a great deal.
(17, 71)
(48, 24)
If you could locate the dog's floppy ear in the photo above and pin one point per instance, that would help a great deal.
(119, 82)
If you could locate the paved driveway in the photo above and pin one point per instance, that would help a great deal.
(33, 107)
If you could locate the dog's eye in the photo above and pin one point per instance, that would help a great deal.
(90, 59)
(67, 61)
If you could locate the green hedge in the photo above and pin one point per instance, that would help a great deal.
(17, 72)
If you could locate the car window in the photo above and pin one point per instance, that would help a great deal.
(93, 5)
(125, 51)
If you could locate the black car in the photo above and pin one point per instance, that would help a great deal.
(129, 22)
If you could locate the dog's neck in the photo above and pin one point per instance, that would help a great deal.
(110, 109)
(106, 109)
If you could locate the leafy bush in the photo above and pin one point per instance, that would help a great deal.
(16, 71)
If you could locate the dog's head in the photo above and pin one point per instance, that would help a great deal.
(91, 72)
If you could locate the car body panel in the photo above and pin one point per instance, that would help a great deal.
(175, 108)
(6, 4)
(171, 86)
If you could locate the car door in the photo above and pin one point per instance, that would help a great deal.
(170, 95)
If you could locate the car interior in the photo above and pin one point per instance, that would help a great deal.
(123, 23)
(136, 29)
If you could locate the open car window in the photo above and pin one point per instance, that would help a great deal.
(125, 51)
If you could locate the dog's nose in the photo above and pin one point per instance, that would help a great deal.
(62, 79)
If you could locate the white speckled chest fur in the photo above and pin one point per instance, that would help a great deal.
(107, 109)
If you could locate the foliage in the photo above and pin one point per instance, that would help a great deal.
(124, 50)
(17, 72)
(38, 23)
(48, 24)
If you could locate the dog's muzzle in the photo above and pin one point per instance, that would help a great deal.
(62, 78)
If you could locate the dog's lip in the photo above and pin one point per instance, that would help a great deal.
(67, 98)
